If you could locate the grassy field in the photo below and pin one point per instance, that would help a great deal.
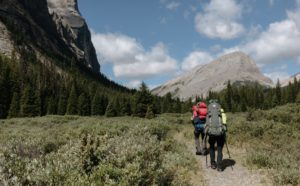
(272, 141)
(73, 150)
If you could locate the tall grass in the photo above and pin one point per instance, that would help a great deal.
(73, 150)
(272, 139)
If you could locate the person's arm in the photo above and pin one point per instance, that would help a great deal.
(224, 118)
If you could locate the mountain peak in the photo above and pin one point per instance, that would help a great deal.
(236, 67)
(49, 28)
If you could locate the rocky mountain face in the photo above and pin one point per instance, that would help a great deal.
(291, 79)
(52, 28)
(236, 67)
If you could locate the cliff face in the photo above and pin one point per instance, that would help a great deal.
(236, 67)
(73, 30)
(47, 29)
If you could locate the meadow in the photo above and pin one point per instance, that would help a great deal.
(74, 150)
(272, 141)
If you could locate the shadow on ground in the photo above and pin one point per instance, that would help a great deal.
(228, 163)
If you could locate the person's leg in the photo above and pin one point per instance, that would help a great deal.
(203, 145)
(220, 145)
(212, 141)
(197, 142)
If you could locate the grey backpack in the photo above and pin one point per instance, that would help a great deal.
(214, 124)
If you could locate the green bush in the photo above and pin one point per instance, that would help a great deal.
(272, 139)
(68, 150)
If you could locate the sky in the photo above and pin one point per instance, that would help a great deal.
(157, 40)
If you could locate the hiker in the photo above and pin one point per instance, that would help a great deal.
(199, 119)
(215, 130)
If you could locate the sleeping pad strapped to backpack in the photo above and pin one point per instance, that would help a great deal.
(199, 114)
(214, 126)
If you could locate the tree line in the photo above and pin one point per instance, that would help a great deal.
(241, 98)
(30, 88)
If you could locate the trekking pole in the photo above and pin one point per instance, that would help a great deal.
(205, 137)
(228, 150)
(227, 146)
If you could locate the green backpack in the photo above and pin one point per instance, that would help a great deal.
(214, 126)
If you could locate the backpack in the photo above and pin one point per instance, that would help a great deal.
(214, 126)
(202, 110)
(199, 114)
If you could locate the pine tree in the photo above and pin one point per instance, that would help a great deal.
(5, 91)
(290, 93)
(298, 97)
(149, 113)
(51, 106)
(110, 110)
(62, 103)
(97, 105)
(125, 107)
(14, 109)
(277, 99)
(143, 99)
(177, 108)
(84, 106)
(117, 106)
(30, 103)
(72, 102)
(228, 97)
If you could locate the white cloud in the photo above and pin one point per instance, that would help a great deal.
(220, 20)
(279, 42)
(130, 59)
(194, 59)
(298, 61)
(149, 64)
(173, 5)
(133, 84)
(277, 75)
(271, 2)
(116, 48)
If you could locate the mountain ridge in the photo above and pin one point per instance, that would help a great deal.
(285, 82)
(236, 67)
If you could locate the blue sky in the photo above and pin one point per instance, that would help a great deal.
(155, 41)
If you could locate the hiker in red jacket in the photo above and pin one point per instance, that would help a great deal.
(199, 119)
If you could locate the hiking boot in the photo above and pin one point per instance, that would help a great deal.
(204, 152)
(198, 153)
(213, 165)
(220, 167)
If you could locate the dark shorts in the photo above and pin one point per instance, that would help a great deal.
(197, 133)
(219, 139)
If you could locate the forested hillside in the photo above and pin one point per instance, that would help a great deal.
(31, 88)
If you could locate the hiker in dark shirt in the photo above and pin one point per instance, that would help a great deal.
(216, 132)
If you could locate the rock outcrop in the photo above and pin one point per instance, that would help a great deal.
(51, 28)
(6, 45)
(236, 67)
(73, 30)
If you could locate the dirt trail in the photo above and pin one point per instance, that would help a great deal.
(237, 175)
